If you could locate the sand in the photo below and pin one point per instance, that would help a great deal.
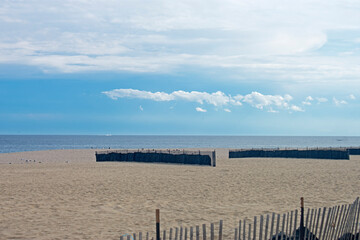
(70, 196)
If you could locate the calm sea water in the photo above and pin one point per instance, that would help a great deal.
(17, 143)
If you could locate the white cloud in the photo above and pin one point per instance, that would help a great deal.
(141, 108)
(352, 97)
(321, 99)
(260, 101)
(296, 108)
(217, 99)
(308, 100)
(199, 109)
(272, 110)
(339, 102)
(277, 42)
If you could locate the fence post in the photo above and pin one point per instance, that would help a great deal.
(302, 228)
(157, 224)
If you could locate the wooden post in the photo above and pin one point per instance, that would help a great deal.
(302, 228)
(157, 224)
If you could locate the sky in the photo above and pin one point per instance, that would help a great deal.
(229, 67)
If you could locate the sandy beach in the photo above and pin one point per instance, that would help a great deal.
(70, 196)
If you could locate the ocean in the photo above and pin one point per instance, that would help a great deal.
(20, 143)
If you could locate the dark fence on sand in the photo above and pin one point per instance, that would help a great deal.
(316, 153)
(354, 151)
(334, 223)
(174, 156)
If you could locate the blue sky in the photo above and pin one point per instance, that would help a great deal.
(186, 67)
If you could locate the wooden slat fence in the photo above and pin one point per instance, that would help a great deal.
(335, 223)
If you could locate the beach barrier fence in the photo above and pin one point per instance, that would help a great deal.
(354, 151)
(175, 156)
(314, 153)
(335, 223)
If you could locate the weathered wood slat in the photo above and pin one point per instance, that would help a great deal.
(357, 217)
(147, 235)
(306, 223)
(337, 232)
(170, 234)
(314, 224)
(186, 233)
(134, 236)
(327, 222)
(277, 227)
(283, 227)
(342, 229)
(181, 233)
(244, 230)
(290, 227)
(249, 232)
(310, 224)
(197, 233)
(328, 225)
(272, 225)
(239, 238)
(295, 222)
(266, 227)
(164, 235)
(212, 235)
(176, 233)
(140, 235)
(236, 234)
(204, 231)
(287, 224)
(254, 232)
(349, 221)
(317, 221)
(191, 233)
(322, 223)
(220, 229)
(332, 222)
(261, 227)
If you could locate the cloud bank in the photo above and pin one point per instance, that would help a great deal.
(217, 99)
(284, 43)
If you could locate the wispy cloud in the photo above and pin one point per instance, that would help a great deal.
(199, 109)
(308, 100)
(321, 99)
(141, 108)
(339, 102)
(352, 97)
(227, 110)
